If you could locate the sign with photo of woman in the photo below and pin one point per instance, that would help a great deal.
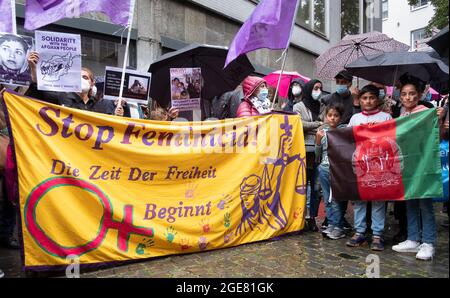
(14, 50)
(186, 88)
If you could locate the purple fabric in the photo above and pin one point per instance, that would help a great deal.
(11, 176)
(269, 27)
(6, 21)
(39, 13)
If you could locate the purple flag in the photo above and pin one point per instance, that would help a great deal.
(269, 26)
(39, 13)
(7, 11)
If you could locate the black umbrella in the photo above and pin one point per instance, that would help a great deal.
(386, 68)
(439, 42)
(210, 59)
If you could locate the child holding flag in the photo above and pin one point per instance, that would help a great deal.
(420, 212)
(370, 114)
(334, 211)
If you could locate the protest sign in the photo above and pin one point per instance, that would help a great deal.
(14, 50)
(59, 67)
(109, 189)
(136, 86)
(186, 88)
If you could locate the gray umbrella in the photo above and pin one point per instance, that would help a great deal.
(388, 67)
(350, 48)
(439, 42)
(211, 59)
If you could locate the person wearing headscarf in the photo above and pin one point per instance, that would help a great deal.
(309, 111)
(295, 94)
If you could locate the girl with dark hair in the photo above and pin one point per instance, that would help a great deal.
(421, 220)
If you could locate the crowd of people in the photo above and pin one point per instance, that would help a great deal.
(319, 113)
(347, 107)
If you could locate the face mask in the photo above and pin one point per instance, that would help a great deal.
(382, 94)
(341, 89)
(94, 91)
(263, 94)
(316, 95)
(296, 90)
(396, 95)
(85, 85)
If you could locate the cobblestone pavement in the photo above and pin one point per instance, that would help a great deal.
(306, 254)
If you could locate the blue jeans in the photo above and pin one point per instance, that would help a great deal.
(378, 217)
(335, 210)
(324, 179)
(421, 209)
(339, 209)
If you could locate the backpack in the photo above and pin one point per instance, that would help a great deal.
(226, 105)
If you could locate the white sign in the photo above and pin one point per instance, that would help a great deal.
(59, 67)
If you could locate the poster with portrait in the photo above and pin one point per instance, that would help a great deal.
(14, 50)
(186, 88)
(135, 88)
(59, 67)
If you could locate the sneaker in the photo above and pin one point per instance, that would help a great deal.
(407, 246)
(377, 243)
(426, 252)
(347, 226)
(336, 234)
(328, 230)
(2, 274)
(325, 224)
(357, 240)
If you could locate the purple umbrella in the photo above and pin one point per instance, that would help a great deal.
(350, 48)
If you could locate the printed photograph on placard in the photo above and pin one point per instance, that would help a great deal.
(186, 88)
(14, 50)
(135, 88)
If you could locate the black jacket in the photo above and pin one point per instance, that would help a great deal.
(71, 100)
(346, 100)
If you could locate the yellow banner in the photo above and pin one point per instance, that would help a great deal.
(103, 188)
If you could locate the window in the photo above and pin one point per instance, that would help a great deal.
(312, 14)
(417, 38)
(420, 3)
(350, 17)
(319, 16)
(304, 13)
(384, 9)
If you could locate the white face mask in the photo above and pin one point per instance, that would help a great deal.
(85, 85)
(316, 94)
(296, 90)
(94, 91)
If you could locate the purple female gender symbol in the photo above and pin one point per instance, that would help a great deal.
(124, 227)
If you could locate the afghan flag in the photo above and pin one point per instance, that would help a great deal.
(394, 160)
